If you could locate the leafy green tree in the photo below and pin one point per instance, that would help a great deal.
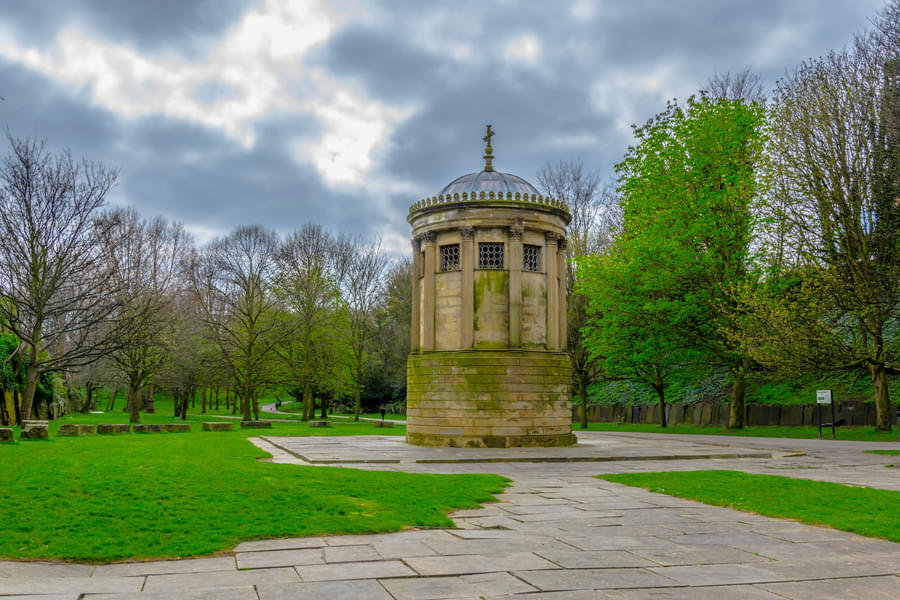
(831, 297)
(633, 331)
(313, 263)
(688, 188)
(233, 280)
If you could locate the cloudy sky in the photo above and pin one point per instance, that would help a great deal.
(279, 112)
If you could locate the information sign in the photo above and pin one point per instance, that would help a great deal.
(823, 396)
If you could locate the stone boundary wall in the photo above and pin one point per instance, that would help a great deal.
(716, 413)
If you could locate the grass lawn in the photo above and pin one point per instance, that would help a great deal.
(866, 511)
(886, 452)
(859, 434)
(137, 496)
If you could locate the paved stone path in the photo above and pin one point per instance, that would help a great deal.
(557, 533)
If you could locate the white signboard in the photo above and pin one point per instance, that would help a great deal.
(823, 396)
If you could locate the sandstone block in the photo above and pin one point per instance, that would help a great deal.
(218, 426)
(385, 424)
(110, 428)
(256, 424)
(147, 428)
(76, 429)
(319, 424)
(35, 430)
(7, 434)
(177, 427)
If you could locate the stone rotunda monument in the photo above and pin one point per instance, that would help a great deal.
(488, 366)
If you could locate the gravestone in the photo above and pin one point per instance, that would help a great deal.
(76, 429)
(218, 426)
(177, 427)
(147, 428)
(35, 430)
(112, 428)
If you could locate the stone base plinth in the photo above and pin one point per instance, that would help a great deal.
(489, 399)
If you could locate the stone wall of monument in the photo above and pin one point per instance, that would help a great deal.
(489, 399)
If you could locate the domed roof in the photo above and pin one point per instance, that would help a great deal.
(487, 182)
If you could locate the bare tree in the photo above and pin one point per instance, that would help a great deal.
(743, 85)
(836, 158)
(233, 280)
(313, 264)
(596, 217)
(147, 260)
(363, 282)
(55, 282)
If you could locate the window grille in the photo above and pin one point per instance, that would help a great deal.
(450, 257)
(490, 255)
(531, 258)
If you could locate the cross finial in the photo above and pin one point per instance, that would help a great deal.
(488, 151)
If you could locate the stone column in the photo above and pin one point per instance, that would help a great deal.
(515, 286)
(414, 341)
(467, 266)
(550, 250)
(428, 239)
(563, 314)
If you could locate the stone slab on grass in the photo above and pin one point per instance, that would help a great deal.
(384, 424)
(147, 428)
(112, 428)
(35, 430)
(256, 424)
(76, 429)
(177, 427)
(7, 434)
(319, 424)
(217, 426)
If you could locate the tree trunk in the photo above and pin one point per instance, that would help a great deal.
(256, 406)
(245, 405)
(324, 410)
(307, 402)
(111, 403)
(184, 406)
(149, 407)
(660, 388)
(882, 399)
(17, 405)
(217, 398)
(356, 402)
(88, 398)
(203, 401)
(31, 377)
(133, 403)
(736, 417)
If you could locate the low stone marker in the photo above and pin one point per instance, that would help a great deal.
(217, 426)
(147, 428)
(256, 424)
(385, 424)
(75, 429)
(107, 428)
(178, 427)
(6, 435)
(319, 424)
(35, 430)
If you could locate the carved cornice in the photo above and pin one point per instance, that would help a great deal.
(515, 232)
(467, 233)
